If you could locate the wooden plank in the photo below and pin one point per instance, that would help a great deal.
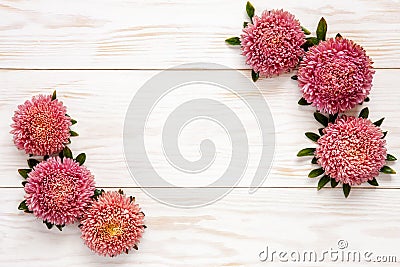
(163, 33)
(99, 100)
(231, 232)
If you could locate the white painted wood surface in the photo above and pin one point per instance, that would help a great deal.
(288, 213)
(231, 232)
(162, 33)
(90, 95)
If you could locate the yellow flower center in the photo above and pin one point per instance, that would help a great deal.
(113, 229)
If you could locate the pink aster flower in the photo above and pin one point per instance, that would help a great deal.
(272, 43)
(40, 126)
(58, 191)
(335, 75)
(352, 150)
(113, 224)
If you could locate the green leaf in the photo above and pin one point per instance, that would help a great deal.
(390, 157)
(97, 193)
(321, 131)
(313, 40)
(316, 172)
(346, 190)
(310, 42)
(245, 24)
(334, 183)
(67, 152)
(306, 32)
(384, 134)
(294, 77)
(332, 118)
(32, 163)
(387, 170)
(367, 99)
(321, 118)
(233, 41)
(379, 123)
(60, 227)
(254, 75)
(24, 172)
(314, 160)
(61, 154)
(24, 183)
(364, 113)
(303, 102)
(306, 152)
(81, 158)
(373, 182)
(250, 10)
(22, 206)
(72, 133)
(54, 96)
(338, 35)
(49, 225)
(312, 136)
(321, 29)
(323, 181)
(73, 121)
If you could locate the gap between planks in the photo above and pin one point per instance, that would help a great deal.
(136, 69)
(237, 187)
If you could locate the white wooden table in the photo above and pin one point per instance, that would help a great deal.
(98, 53)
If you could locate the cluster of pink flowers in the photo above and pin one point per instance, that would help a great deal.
(113, 224)
(352, 150)
(41, 126)
(60, 191)
(334, 76)
(272, 43)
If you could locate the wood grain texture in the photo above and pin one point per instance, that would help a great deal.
(288, 213)
(158, 34)
(90, 95)
(231, 232)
